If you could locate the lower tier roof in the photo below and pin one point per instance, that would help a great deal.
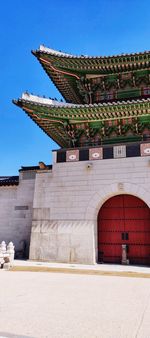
(74, 124)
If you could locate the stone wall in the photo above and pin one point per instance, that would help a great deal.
(16, 213)
(68, 198)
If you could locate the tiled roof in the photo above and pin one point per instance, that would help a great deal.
(9, 180)
(33, 168)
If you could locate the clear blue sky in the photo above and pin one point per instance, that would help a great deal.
(98, 27)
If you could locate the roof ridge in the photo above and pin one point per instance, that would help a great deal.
(40, 99)
(45, 102)
(51, 51)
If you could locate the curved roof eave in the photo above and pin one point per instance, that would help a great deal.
(60, 54)
(43, 101)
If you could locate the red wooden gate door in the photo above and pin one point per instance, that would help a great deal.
(124, 219)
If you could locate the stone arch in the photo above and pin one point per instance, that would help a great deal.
(102, 195)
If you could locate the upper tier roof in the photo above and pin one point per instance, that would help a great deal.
(67, 71)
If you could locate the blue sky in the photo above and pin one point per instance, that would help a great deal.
(98, 27)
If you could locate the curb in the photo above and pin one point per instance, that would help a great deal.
(80, 271)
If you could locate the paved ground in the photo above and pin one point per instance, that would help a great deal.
(55, 305)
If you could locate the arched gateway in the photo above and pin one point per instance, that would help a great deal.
(124, 219)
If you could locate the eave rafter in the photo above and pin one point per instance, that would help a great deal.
(63, 80)
(116, 62)
(85, 112)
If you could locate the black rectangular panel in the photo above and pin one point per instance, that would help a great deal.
(21, 207)
(126, 236)
(107, 153)
(122, 236)
(84, 155)
(61, 156)
(133, 150)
